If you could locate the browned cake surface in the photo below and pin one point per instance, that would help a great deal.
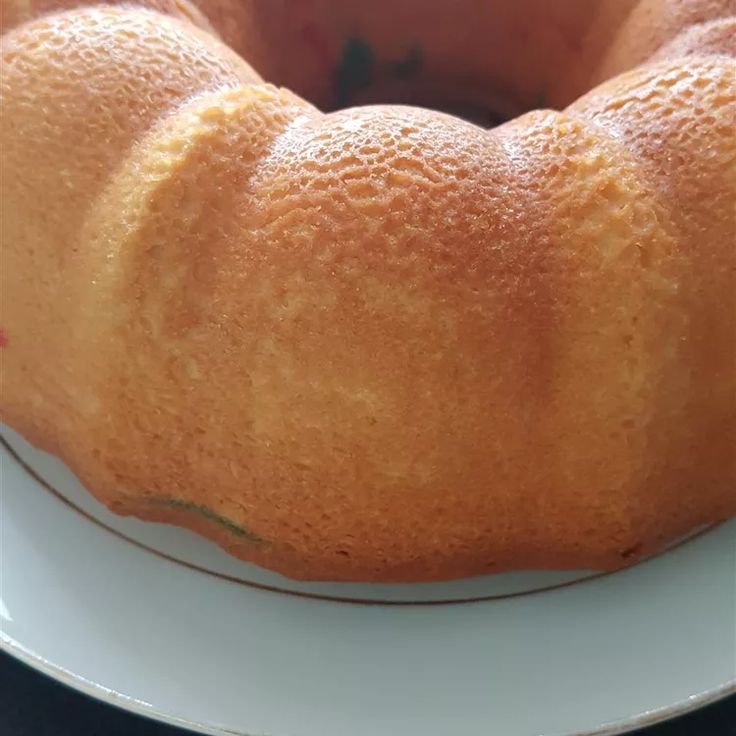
(381, 343)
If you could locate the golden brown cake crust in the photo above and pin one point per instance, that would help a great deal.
(380, 343)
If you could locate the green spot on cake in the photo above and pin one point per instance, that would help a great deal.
(355, 69)
(209, 514)
(410, 65)
(540, 100)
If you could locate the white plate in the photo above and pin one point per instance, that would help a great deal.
(163, 623)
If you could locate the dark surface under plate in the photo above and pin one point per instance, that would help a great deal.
(33, 705)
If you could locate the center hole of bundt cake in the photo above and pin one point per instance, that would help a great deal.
(361, 77)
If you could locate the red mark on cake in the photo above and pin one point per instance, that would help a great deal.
(312, 35)
(318, 43)
(3, 338)
(520, 32)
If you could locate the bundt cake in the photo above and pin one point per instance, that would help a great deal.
(381, 342)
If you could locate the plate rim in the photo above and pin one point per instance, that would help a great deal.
(120, 701)
(9, 645)
(8, 446)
